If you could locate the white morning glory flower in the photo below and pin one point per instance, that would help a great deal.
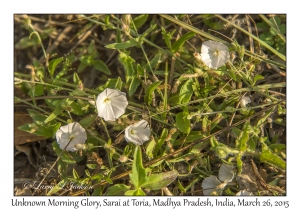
(74, 132)
(138, 133)
(212, 186)
(244, 193)
(111, 104)
(226, 173)
(214, 54)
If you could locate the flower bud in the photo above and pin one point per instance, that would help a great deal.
(123, 158)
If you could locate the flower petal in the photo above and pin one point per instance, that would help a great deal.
(107, 113)
(214, 54)
(210, 184)
(138, 133)
(73, 133)
(226, 173)
(111, 104)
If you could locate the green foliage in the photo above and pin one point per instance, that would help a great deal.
(127, 63)
(161, 180)
(140, 20)
(38, 126)
(150, 92)
(52, 65)
(47, 130)
(275, 34)
(91, 59)
(179, 43)
(241, 142)
(138, 174)
(186, 91)
(211, 23)
(270, 157)
(101, 66)
(135, 82)
(194, 112)
(182, 122)
(117, 189)
(65, 156)
(87, 121)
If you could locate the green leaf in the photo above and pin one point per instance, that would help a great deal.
(139, 70)
(87, 172)
(154, 62)
(87, 121)
(81, 67)
(140, 20)
(277, 148)
(117, 189)
(108, 179)
(150, 148)
(177, 45)
(161, 141)
(91, 166)
(186, 91)
(97, 177)
(59, 108)
(282, 28)
(182, 123)
(77, 109)
(138, 192)
(98, 191)
(149, 92)
(75, 174)
(138, 174)
(168, 37)
(36, 90)
(239, 164)
(36, 116)
(264, 118)
(267, 38)
(241, 142)
(65, 157)
(270, 157)
(127, 62)
(112, 83)
(123, 45)
(47, 131)
(135, 82)
(151, 28)
(101, 66)
(161, 180)
(275, 20)
(25, 42)
(212, 23)
(53, 64)
(263, 25)
(87, 59)
(91, 48)
(258, 77)
(76, 78)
